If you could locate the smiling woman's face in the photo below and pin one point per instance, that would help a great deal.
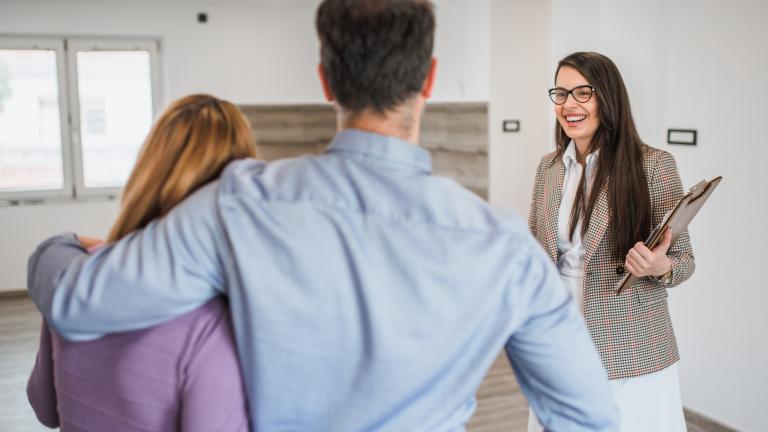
(579, 120)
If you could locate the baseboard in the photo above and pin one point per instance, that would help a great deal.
(14, 294)
(705, 423)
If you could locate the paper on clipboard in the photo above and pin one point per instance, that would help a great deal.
(677, 219)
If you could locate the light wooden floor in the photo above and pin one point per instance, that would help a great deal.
(501, 405)
(19, 331)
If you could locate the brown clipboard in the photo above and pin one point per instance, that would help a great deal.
(677, 219)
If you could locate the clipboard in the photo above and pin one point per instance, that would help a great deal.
(677, 219)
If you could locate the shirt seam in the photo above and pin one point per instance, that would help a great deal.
(425, 168)
(390, 219)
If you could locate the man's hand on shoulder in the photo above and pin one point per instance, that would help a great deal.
(90, 243)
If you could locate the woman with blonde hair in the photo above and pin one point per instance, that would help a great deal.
(179, 375)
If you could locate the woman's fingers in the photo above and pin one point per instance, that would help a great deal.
(643, 250)
(628, 266)
(637, 263)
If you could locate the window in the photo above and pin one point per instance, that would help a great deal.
(32, 153)
(73, 114)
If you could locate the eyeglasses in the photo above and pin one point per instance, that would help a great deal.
(581, 94)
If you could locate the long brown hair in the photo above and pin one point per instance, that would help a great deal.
(188, 146)
(621, 155)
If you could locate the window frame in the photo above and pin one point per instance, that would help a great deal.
(66, 49)
(76, 45)
(58, 46)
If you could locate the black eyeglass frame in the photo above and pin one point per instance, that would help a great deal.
(571, 92)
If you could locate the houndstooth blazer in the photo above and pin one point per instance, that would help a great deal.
(632, 331)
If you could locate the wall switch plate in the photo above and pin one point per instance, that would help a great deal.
(681, 136)
(202, 17)
(510, 126)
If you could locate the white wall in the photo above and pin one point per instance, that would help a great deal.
(23, 228)
(251, 52)
(462, 47)
(701, 65)
(687, 64)
(259, 52)
(519, 75)
(720, 315)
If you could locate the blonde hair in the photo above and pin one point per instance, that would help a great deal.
(188, 146)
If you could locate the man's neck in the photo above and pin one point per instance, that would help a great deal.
(404, 122)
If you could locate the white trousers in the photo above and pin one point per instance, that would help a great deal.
(646, 403)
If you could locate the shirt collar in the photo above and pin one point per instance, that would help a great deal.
(569, 156)
(368, 144)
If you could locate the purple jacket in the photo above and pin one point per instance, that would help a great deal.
(180, 375)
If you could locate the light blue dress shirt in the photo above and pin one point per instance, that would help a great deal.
(366, 293)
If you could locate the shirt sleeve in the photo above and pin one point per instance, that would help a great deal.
(150, 276)
(41, 390)
(553, 357)
(666, 189)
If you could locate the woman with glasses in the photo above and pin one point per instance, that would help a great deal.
(596, 199)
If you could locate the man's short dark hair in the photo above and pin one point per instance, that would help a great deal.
(375, 53)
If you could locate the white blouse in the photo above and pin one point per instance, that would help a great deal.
(570, 252)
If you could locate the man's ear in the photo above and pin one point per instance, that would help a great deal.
(426, 90)
(324, 82)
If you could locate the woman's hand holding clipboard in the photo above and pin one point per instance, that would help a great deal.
(676, 220)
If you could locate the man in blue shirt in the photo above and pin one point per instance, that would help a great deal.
(366, 293)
